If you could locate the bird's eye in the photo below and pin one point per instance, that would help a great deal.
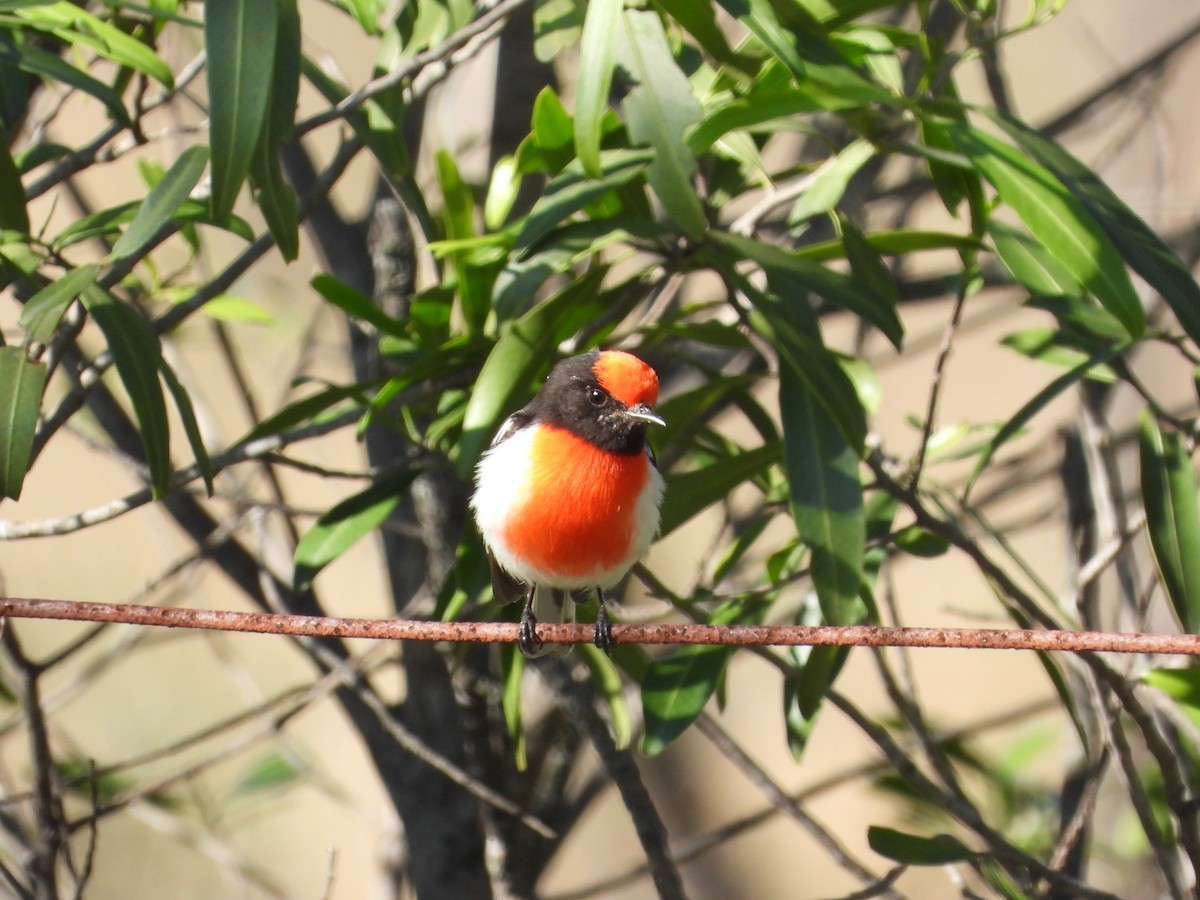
(597, 397)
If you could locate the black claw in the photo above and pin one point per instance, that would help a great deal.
(527, 639)
(603, 637)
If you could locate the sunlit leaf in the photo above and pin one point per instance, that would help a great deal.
(1057, 219)
(41, 314)
(597, 49)
(345, 524)
(657, 112)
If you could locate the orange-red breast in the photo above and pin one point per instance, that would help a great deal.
(567, 497)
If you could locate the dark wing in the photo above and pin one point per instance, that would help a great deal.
(505, 588)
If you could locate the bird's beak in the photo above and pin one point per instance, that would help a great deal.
(642, 412)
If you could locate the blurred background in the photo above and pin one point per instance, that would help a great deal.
(283, 805)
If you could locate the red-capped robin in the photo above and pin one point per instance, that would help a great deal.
(567, 498)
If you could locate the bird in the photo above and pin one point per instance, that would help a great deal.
(567, 496)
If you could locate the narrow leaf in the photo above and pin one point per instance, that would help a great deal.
(1144, 251)
(161, 203)
(571, 190)
(191, 427)
(1172, 517)
(597, 50)
(21, 385)
(830, 180)
(355, 303)
(42, 313)
(13, 215)
(914, 850)
(524, 347)
(347, 522)
(826, 497)
(138, 358)
(657, 112)
(240, 38)
(690, 492)
(1058, 220)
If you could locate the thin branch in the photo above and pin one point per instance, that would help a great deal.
(580, 633)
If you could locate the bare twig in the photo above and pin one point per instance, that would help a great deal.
(579, 633)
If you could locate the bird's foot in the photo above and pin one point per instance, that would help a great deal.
(527, 639)
(603, 637)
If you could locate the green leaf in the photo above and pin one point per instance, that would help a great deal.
(606, 679)
(914, 850)
(572, 190)
(700, 21)
(1031, 263)
(916, 541)
(13, 214)
(41, 314)
(21, 385)
(525, 346)
(1181, 685)
(1055, 347)
(138, 358)
(597, 50)
(675, 690)
(240, 38)
(1144, 251)
(343, 525)
(275, 196)
(1058, 220)
(858, 296)
(1172, 517)
(503, 189)
(1037, 403)
(304, 410)
(512, 665)
(161, 203)
(355, 303)
(690, 492)
(676, 687)
(36, 61)
(191, 427)
(657, 112)
(826, 497)
(76, 26)
(830, 180)
(273, 771)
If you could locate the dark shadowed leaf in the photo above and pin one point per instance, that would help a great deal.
(13, 215)
(138, 358)
(915, 850)
(21, 384)
(191, 427)
(240, 39)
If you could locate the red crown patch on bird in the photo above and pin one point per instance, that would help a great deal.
(567, 498)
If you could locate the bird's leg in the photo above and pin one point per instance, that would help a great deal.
(603, 637)
(527, 639)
